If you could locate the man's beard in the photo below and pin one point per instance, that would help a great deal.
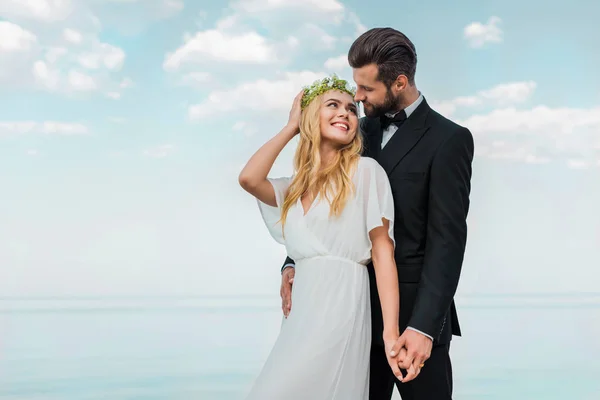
(389, 105)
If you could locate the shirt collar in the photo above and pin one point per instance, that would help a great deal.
(409, 110)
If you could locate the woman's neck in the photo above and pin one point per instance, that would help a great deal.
(327, 153)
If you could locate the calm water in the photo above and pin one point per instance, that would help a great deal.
(534, 347)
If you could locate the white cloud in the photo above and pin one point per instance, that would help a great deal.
(61, 128)
(245, 128)
(214, 45)
(72, 36)
(50, 38)
(317, 36)
(510, 152)
(173, 5)
(60, 70)
(169, 3)
(579, 164)
(478, 34)
(45, 76)
(292, 41)
(533, 134)
(40, 10)
(499, 95)
(449, 107)
(126, 83)
(337, 63)
(103, 55)
(359, 28)
(132, 17)
(291, 30)
(18, 49)
(81, 82)
(534, 159)
(509, 93)
(313, 5)
(44, 62)
(197, 79)
(54, 54)
(116, 95)
(125, 15)
(160, 151)
(8, 128)
(539, 120)
(273, 94)
(14, 38)
(228, 22)
(538, 134)
(51, 78)
(293, 26)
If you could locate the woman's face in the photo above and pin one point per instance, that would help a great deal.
(338, 118)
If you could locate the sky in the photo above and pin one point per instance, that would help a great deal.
(124, 125)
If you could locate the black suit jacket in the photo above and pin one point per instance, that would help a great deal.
(428, 161)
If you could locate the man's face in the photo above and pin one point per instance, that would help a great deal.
(377, 99)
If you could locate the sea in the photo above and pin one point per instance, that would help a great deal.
(514, 346)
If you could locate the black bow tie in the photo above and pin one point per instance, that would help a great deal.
(398, 119)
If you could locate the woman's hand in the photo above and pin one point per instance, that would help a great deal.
(253, 177)
(296, 112)
(389, 341)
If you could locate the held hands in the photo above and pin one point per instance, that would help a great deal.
(409, 353)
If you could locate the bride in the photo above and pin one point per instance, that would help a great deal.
(334, 215)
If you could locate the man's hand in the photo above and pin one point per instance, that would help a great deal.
(287, 279)
(418, 350)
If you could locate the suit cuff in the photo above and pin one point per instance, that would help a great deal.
(422, 333)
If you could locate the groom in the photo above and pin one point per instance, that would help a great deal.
(428, 160)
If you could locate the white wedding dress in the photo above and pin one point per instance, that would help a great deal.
(322, 351)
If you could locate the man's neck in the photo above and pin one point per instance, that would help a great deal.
(411, 96)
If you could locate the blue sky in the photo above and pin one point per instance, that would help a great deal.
(124, 123)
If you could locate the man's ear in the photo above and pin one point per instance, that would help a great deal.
(400, 84)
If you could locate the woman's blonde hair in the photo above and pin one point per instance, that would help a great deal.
(309, 176)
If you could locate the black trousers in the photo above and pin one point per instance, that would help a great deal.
(433, 383)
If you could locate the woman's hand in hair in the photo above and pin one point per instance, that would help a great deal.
(296, 112)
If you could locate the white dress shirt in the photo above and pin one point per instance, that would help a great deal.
(391, 129)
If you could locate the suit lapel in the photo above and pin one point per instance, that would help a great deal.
(404, 139)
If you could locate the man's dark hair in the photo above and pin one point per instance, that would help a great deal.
(392, 52)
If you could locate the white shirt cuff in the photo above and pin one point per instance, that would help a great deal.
(422, 333)
(288, 265)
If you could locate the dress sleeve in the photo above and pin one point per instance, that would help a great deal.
(271, 215)
(378, 201)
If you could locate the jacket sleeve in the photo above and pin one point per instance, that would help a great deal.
(287, 263)
(449, 191)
